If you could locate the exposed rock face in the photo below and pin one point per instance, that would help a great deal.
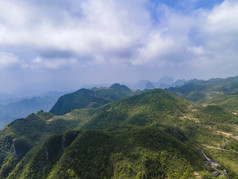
(214, 164)
(50, 151)
(215, 173)
(68, 138)
(21, 147)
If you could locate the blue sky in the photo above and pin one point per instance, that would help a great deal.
(61, 45)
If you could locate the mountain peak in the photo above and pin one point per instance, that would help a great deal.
(120, 87)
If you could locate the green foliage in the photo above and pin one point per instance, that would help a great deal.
(227, 102)
(196, 96)
(87, 157)
(22, 135)
(80, 99)
(5, 146)
(150, 153)
(213, 113)
(156, 105)
(119, 87)
(8, 165)
(85, 98)
(40, 160)
(214, 90)
(21, 147)
(144, 153)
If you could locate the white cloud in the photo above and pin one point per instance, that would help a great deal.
(221, 26)
(218, 30)
(155, 48)
(225, 16)
(7, 59)
(13, 13)
(119, 33)
(196, 50)
(104, 27)
(56, 63)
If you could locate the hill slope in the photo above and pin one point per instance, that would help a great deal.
(94, 97)
(197, 90)
(221, 92)
(155, 106)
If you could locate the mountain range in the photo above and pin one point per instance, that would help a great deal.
(188, 131)
(14, 108)
(164, 82)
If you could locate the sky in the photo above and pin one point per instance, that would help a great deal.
(61, 45)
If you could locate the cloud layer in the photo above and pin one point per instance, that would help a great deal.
(84, 41)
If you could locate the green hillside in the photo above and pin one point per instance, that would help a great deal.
(156, 106)
(95, 97)
(152, 135)
(227, 102)
(197, 90)
(20, 136)
(220, 92)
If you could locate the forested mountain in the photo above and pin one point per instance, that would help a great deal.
(125, 134)
(221, 92)
(94, 97)
(197, 90)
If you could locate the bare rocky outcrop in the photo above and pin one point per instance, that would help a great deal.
(21, 147)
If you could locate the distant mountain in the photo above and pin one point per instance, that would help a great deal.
(94, 97)
(119, 87)
(149, 85)
(197, 90)
(89, 86)
(5, 99)
(166, 80)
(141, 85)
(178, 83)
(24, 107)
(53, 93)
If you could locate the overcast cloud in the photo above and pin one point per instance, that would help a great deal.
(63, 44)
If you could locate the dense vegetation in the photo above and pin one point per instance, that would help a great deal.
(107, 134)
(200, 90)
(156, 106)
(95, 97)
